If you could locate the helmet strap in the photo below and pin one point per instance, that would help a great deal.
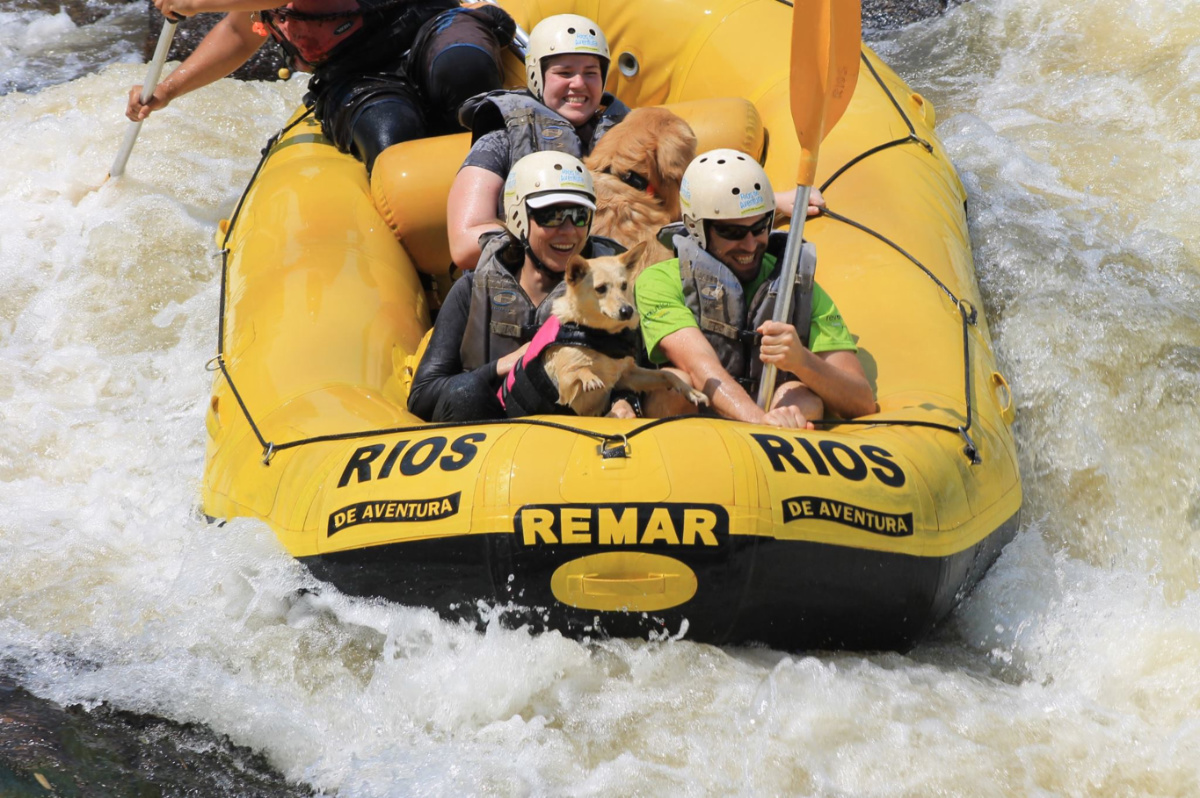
(537, 262)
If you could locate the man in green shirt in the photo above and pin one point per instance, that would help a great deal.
(700, 310)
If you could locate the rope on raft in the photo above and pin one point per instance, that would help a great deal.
(610, 444)
(967, 312)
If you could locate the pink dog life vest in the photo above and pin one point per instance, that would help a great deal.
(529, 391)
(545, 336)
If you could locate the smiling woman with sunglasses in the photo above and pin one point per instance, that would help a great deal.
(708, 311)
(491, 314)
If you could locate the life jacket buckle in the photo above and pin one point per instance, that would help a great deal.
(750, 338)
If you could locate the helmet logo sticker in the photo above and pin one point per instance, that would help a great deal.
(751, 202)
(572, 178)
(587, 41)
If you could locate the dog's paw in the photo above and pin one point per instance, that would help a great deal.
(697, 398)
(593, 384)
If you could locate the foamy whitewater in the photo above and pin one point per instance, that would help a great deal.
(1072, 670)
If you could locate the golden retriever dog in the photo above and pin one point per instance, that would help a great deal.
(637, 167)
(599, 295)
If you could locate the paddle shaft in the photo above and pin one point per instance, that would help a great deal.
(826, 44)
(148, 87)
(520, 43)
(783, 302)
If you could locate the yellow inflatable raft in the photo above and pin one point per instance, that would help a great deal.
(859, 535)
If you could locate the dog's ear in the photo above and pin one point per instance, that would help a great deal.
(632, 256)
(577, 269)
(676, 149)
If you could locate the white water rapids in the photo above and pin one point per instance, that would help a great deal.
(1072, 670)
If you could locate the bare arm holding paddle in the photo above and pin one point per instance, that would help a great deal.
(836, 376)
(694, 359)
(187, 8)
(226, 47)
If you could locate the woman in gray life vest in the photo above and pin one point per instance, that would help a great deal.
(491, 313)
(384, 71)
(564, 108)
(701, 311)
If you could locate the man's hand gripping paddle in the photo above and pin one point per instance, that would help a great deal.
(151, 82)
(826, 47)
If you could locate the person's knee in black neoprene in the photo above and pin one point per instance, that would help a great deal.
(456, 74)
(383, 122)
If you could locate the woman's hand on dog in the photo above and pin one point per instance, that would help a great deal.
(506, 364)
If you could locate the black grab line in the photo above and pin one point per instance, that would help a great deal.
(237, 211)
(880, 237)
(969, 318)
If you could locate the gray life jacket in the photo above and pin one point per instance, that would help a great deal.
(502, 318)
(714, 295)
(532, 127)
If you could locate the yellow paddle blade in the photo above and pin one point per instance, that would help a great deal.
(826, 45)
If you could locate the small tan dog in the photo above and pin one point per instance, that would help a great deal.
(595, 312)
(637, 167)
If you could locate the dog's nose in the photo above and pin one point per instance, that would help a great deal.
(626, 313)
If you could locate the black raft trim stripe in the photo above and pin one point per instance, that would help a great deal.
(393, 511)
(893, 525)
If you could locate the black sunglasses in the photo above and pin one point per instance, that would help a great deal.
(556, 215)
(736, 232)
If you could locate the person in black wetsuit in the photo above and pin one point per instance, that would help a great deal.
(384, 71)
(492, 312)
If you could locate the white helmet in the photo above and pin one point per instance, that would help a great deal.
(723, 184)
(563, 34)
(541, 179)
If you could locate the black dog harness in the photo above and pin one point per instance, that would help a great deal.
(528, 389)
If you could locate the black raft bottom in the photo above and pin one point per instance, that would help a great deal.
(784, 594)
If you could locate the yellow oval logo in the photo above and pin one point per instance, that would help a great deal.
(624, 581)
